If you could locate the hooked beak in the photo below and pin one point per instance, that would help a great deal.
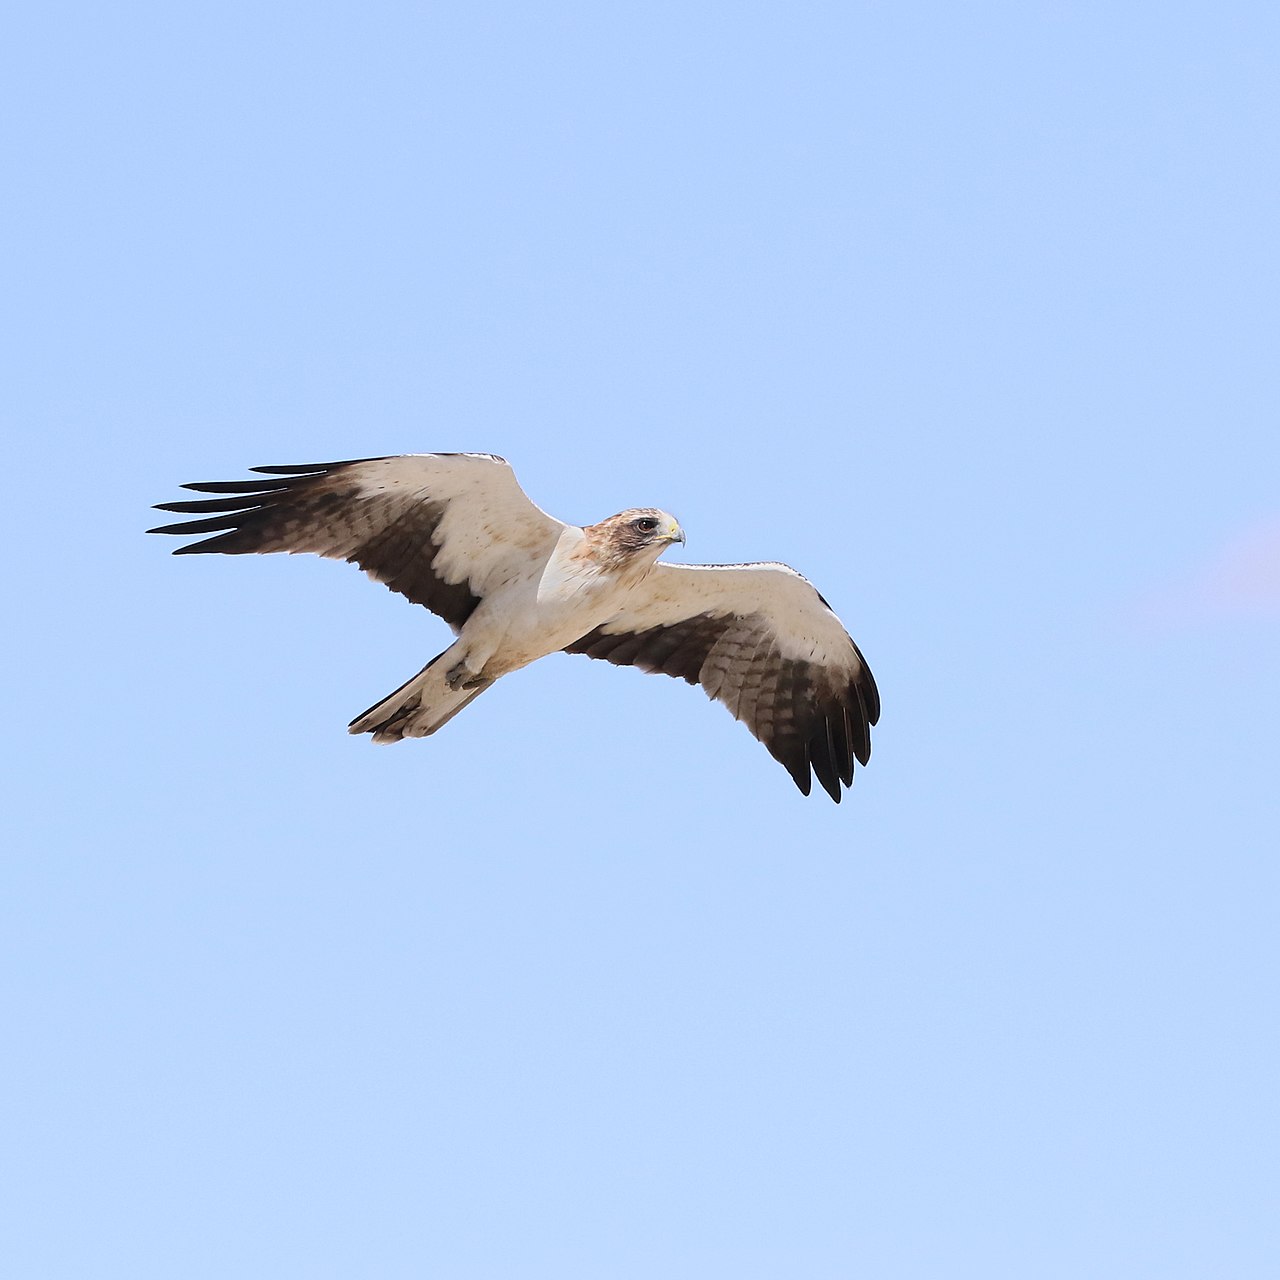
(675, 533)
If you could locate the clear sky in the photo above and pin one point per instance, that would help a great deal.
(969, 312)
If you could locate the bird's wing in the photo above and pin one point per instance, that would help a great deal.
(760, 639)
(442, 529)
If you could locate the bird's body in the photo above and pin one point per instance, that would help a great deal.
(455, 532)
(566, 592)
(569, 592)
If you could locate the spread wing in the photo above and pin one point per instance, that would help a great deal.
(760, 639)
(442, 529)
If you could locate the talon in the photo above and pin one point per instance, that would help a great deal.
(460, 678)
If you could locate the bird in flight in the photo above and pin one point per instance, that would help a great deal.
(454, 532)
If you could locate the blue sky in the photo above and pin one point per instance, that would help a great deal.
(969, 313)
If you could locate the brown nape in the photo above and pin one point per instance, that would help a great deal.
(615, 541)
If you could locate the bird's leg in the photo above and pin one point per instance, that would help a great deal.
(459, 677)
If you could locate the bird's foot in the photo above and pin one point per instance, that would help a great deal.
(459, 677)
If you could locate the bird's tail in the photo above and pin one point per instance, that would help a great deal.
(419, 706)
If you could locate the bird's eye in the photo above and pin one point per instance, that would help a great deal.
(646, 525)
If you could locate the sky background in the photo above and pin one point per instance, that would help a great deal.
(969, 312)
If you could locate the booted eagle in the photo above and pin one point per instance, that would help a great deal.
(455, 532)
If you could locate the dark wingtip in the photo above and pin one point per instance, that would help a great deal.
(243, 503)
(822, 756)
(859, 721)
(843, 735)
(798, 767)
(236, 486)
(871, 695)
(225, 543)
(303, 470)
(831, 786)
(212, 525)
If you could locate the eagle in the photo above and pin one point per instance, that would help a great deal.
(455, 532)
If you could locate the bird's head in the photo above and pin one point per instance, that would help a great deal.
(638, 536)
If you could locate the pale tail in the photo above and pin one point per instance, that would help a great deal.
(418, 707)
